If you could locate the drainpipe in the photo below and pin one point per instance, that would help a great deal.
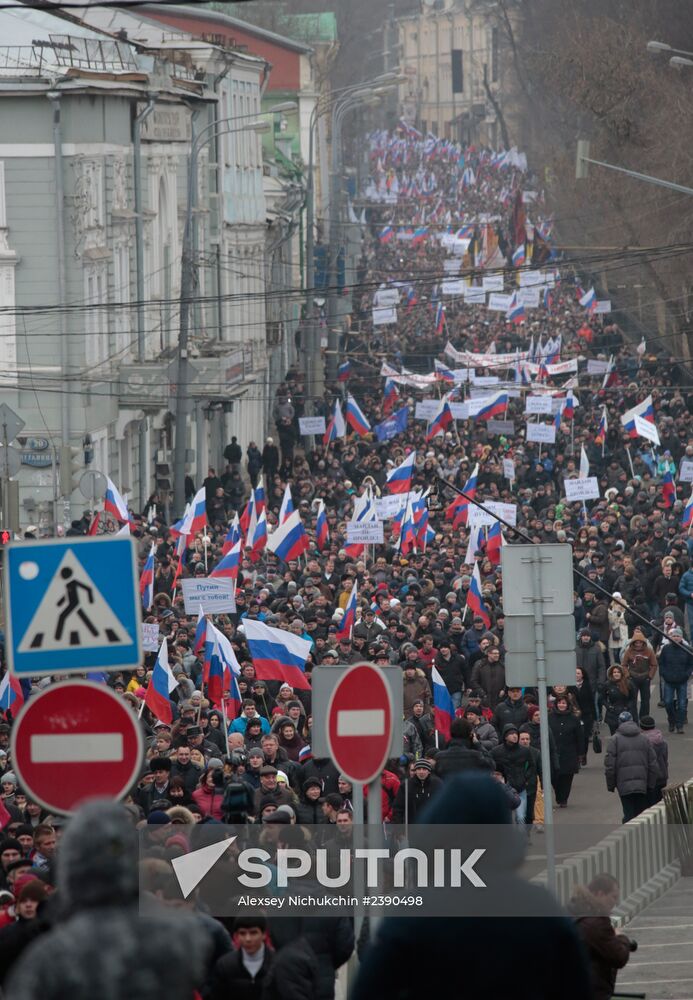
(139, 258)
(54, 98)
(218, 150)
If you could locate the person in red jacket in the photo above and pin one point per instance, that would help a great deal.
(389, 785)
(209, 795)
(607, 949)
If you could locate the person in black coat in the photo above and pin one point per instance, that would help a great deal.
(567, 731)
(462, 753)
(242, 973)
(620, 695)
(584, 699)
(392, 968)
(512, 710)
(330, 938)
(309, 808)
(518, 764)
(414, 794)
(450, 665)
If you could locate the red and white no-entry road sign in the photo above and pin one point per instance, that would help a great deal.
(359, 723)
(76, 741)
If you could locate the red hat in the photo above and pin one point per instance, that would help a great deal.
(532, 710)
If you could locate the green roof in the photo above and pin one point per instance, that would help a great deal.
(307, 28)
(312, 27)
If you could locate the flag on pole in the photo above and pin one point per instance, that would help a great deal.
(147, 580)
(584, 464)
(441, 421)
(11, 694)
(475, 600)
(196, 517)
(289, 539)
(233, 535)
(113, 502)
(336, 428)
(443, 707)
(156, 697)
(322, 531)
(277, 655)
(600, 436)
(356, 418)
(668, 489)
(347, 623)
(399, 480)
(287, 506)
(687, 516)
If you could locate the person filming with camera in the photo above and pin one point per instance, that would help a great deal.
(608, 949)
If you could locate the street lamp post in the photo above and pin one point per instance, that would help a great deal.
(205, 135)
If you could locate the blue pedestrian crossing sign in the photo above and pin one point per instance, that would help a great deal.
(72, 605)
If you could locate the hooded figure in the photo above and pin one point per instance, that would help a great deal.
(393, 969)
(102, 946)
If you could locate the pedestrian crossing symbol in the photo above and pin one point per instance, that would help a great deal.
(72, 606)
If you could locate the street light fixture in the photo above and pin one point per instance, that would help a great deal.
(678, 62)
(653, 46)
(278, 109)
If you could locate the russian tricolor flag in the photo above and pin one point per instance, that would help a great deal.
(287, 506)
(519, 256)
(322, 531)
(349, 620)
(227, 567)
(247, 516)
(420, 234)
(569, 407)
(516, 312)
(160, 686)
(257, 536)
(589, 300)
(233, 535)
(391, 395)
(344, 371)
(475, 601)
(289, 540)
(687, 516)
(493, 406)
(458, 510)
(399, 480)
(336, 428)
(443, 374)
(441, 421)
(600, 436)
(147, 580)
(494, 543)
(114, 503)
(440, 318)
(386, 234)
(196, 518)
(259, 497)
(668, 489)
(644, 410)
(356, 418)
(200, 632)
(411, 298)
(444, 710)
(11, 694)
(277, 655)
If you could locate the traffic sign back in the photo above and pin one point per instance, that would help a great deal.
(359, 723)
(76, 741)
(72, 605)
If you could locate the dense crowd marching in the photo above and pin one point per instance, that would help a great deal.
(229, 728)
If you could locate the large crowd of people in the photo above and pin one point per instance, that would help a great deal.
(441, 219)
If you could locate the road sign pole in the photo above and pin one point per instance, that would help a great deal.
(359, 884)
(538, 605)
(5, 478)
(375, 835)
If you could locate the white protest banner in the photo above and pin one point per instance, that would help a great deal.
(542, 433)
(452, 265)
(215, 596)
(500, 426)
(150, 637)
(528, 297)
(484, 380)
(404, 235)
(478, 517)
(529, 278)
(460, 247)
(686, 471)
(493, 282)
(603, 306)
(538, 404)
(365, 532)
(384, 316)
(460, 411)
(498, 302)
(447, 240)
(562, 368)
(582, 489)
(646, 429)
(474, 296)
(311, 425)
(390, 506)
(509, 469)
(386, 297)
(453, 286)
(426, 409)
(597, 367)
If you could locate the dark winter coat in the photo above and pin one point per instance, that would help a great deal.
(584, 696)
(490, 677)
(487, 735)
(608, 951)
(661, 749)
(413, 796)
(309, 812)
(451, 671)
(510, 712)
(459, 756)
(231, 978)
(324, 770)
(675, 663)
(535, 741)
(293, 975)
(567, 732)
(518, 764)
(591, 660)
(330, 938)
(615, 701)
(630, 763)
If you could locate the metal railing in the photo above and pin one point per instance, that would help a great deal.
(66, 52)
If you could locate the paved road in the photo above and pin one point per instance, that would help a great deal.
(662, 967)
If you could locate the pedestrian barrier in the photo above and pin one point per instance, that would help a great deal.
(646, 855)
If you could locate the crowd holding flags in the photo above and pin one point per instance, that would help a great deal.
(277, 655)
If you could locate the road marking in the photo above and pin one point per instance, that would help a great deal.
(361, 722)
(67, 748)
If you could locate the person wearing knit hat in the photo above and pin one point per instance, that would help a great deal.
(414, 794)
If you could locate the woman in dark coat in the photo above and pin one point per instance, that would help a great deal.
(620, 695)
(584, 699)
(566, 727)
